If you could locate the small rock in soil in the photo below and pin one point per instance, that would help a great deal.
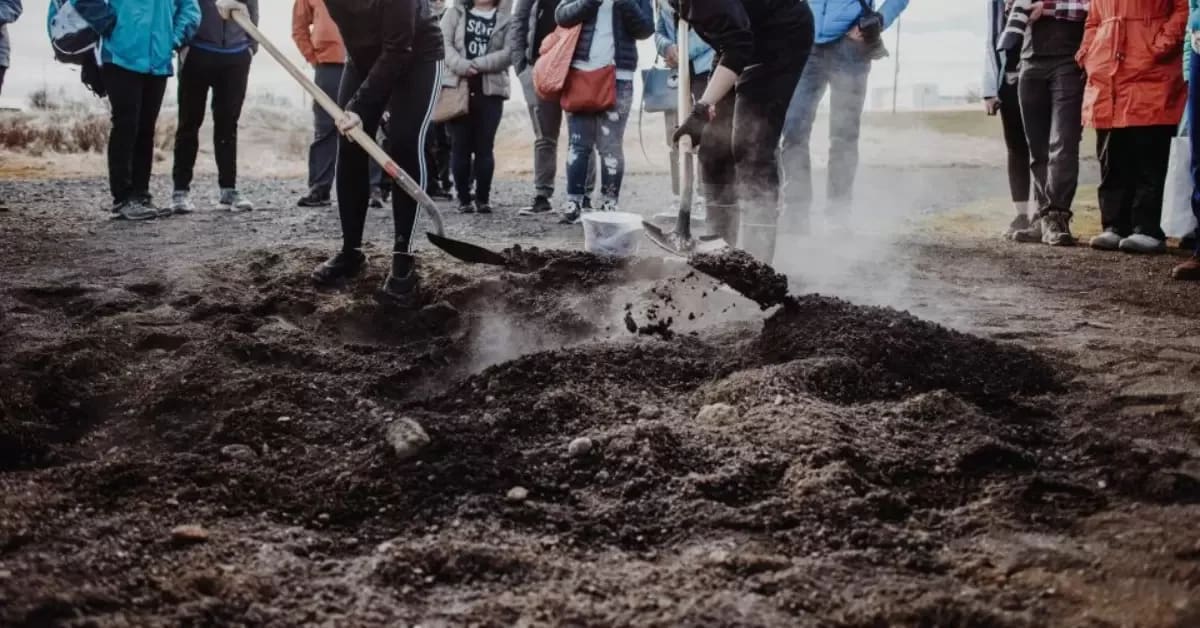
(518, 494)
(580, 447)
(190, 533)
(406, 437)
(238, 452)
(716, 414)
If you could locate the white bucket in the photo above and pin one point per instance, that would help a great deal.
(612, 233)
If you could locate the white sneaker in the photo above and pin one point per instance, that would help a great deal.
(1142, 243)
(231, 201)
(609, 205)
(181, 202)
(571, 213)
(1107, 241)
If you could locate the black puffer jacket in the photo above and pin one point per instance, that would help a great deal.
(219, 35)
(383, 39)
(749, 32)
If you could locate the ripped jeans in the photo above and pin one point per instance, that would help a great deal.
(603, 132)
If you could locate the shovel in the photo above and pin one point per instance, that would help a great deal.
(680, 241)
(462, 250)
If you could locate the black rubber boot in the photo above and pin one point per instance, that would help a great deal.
(400, 289)
(346, 264)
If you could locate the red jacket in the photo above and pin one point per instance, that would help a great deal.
(315, 34)
(1131, 52)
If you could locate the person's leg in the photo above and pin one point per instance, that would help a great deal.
(1194, 133)
(491, 110)
(1036, 110)
(441, 144)
(143, 155)
(353, 176)
(125, 102)
(1066, 130)
(1151, 154)
(460, 158)
(192, 94)
(1019, 178)
(610, 144)
(322, 153)
(797, 132)
(545, 120)
(582, 130)
(229, 92)
(3, 71)
(1115, 190)
(848, 95)
(761, 109)
(718, 172)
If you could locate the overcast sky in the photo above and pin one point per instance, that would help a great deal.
(940, 43)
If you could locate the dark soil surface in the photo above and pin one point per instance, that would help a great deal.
(820, 463)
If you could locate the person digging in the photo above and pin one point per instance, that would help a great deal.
(763, 46)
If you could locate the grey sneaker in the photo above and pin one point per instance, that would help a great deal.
(1108, 241)
(233, 202)
(134, 210)
(1020, 223)
(570, 214)
(181, 202)
(1142, 243)
(1056, 229)
(1030, 235)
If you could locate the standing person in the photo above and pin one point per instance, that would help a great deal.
(139, 39)
(475, 32)
(1134, 98)
(533, 20)
(763, 46)
(1001, 96)
(609, 37)
(701, 58)
(437, 139)
(394, 53)
(318, 39)
(1051, 94)
(1190, 269)
(840, 62)
(10, 10)
(218, 59)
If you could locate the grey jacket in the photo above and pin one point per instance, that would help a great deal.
(10, 10)
(493, 65)
(521, 44)
(218, 35)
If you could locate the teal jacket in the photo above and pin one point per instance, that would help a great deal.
(1193, 26)
(141, 35)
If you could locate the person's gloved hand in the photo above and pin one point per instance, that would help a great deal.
(348, 122)
(227, 7)
(693, 126)
(1196, 42)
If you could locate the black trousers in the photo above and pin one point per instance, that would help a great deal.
(135, 100)
(1051, 108)
(437, 154)
(1019, 176)
(473, 147)
(226, 76)
(1133, 172)
(409, 110)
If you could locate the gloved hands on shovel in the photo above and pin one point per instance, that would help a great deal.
(227, 7)
(693, 126)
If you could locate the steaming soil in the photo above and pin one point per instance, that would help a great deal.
(820, 463)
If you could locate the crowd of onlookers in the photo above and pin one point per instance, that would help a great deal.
(1120, 67)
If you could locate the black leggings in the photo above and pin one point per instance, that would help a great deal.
(410, 108)
(473, 146)
(226, 76)
(135, 100)
(1019, 176)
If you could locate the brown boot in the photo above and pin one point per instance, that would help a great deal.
(1189, 270)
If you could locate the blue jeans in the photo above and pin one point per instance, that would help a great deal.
(603, 132)
(841, 66)
(1193, 124)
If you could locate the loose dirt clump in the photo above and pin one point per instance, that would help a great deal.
(738, 269)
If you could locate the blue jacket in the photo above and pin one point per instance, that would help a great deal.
(700, 54)
(1193, 26)
(141, 35)
(834, 18)
(632, 20)
(10, 10)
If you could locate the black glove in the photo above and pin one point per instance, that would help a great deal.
(695, 124)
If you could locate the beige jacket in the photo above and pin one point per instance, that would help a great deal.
(493, 65)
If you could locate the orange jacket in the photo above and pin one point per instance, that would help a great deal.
(1131, 52)
(315, 34)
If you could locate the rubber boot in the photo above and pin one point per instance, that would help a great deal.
(723, 214)
(758, 233)
(400, 289)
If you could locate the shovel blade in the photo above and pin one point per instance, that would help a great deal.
(684, 246)
(467, 252)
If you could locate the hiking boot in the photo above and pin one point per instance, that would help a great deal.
(541, 205)
(1142, 243)
(181, 202)
(1108, 241)
(376, 201)
(400, 288)
(342, 266)
(134, 210)
(483, 208)
(1030, 235)
(1189, 270)
(315, 199)
(570, 213)
(1019, 223)
(1056, 229)
(232, 201)
(466, 207)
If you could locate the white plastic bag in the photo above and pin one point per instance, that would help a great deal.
(1177, 218)
(612, 233)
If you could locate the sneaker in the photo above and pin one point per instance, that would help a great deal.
(570, 214)
(609, 205)
(1108, 241)
(342, 266)
(134, 210)
(400, 288)
(587, 203)
(232, 201)
(1030, 235)
(315, 199)
(439, 192)
(376, 201)
(181, 202)
(385, 192)
(1056, 229)
(466, 207)
(1189, 270)
(1019, 223)
(483, 208)
(541, 205)
(1142, 243)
